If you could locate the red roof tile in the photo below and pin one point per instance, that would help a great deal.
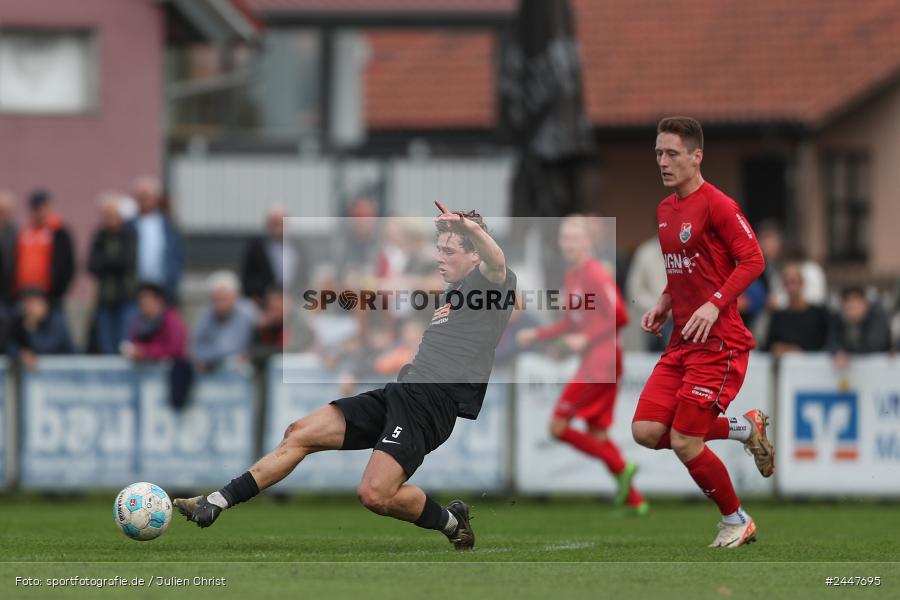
(430, 80)
(719, 60)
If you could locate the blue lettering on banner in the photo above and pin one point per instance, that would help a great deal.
(826, 421)
(889, 405)
(887, 447)
(96, 422)
(205, 445)
(78, 427)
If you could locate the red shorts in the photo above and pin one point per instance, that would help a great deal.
(592, 402)
(691, 385)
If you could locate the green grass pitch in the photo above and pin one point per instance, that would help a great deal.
(315, 547)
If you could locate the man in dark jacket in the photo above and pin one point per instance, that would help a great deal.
(271, 261)
(45, 256)
(861, 327)
(38, 330)
(113, 263)
(9, 237)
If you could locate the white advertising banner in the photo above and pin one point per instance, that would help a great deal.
(544, 465)
(90, 422)
(839, 431)
(475, 457)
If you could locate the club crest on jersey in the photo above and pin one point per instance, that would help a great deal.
(685, 234)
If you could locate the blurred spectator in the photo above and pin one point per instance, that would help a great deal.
(801, 327)
(402, 352)
(387, 346)
(112, 261)
(357, 246)
(861, 327)
(771, 241)
(606, 249)
(815, 289)
(895, 321)
(9, 235)
(45, 257)
(646, 282)
(753, 302)
(273, 261)
(280, 328)
(508, 347)
(225, 327)
(420, 266)
(159, 250)
(38, 330)
(157, 331)
(393, 255)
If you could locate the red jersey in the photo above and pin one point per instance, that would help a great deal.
(600, 321)
(711, 255)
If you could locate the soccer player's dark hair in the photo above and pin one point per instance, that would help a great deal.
(472, 215)
(688, 128)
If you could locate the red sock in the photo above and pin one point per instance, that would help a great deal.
(634, 497)
(605, 451)
(710, 474)
(718, 430)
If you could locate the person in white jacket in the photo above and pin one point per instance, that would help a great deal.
(646, 281)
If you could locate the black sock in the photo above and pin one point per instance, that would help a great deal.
(434, 516)
(240, 489)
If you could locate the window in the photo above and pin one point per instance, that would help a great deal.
(272, 94)
(45, 71)
(847, 190)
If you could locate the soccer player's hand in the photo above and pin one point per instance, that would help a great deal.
(700, 323)
(654, 319)
(457, 222)
(526, 337)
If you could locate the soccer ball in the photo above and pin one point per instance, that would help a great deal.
(142, 511)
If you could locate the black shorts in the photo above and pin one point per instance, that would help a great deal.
(406, 420)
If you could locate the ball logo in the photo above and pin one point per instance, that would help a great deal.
(348, 300)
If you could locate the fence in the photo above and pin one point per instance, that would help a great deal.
(231, 194)
(88, 423)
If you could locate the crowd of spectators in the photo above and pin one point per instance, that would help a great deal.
(136, 261)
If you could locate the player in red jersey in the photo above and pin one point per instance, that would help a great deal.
(590, 327)
(711, 257)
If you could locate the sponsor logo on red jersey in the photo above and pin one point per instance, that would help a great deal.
(679, 263)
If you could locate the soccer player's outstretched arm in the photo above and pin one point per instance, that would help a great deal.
(493, 261)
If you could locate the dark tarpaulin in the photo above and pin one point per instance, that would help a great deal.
(542, 111)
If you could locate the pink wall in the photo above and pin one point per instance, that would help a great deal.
(77, 156)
